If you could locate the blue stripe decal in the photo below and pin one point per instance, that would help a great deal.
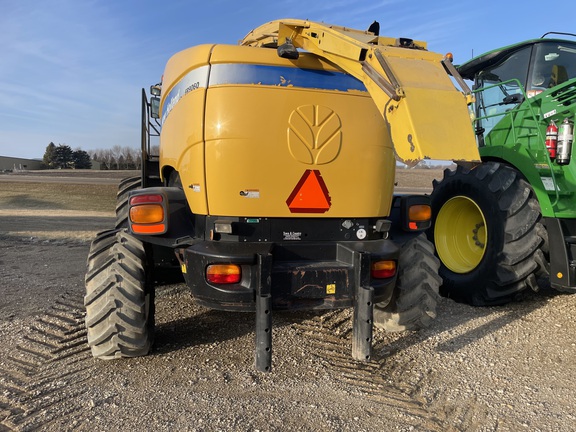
(249, 74)
(193, 80)
(237, 73)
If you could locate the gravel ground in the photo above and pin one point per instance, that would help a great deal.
(475, 369)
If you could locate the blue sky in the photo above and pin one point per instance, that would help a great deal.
(71, 71)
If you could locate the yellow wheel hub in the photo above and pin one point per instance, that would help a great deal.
(460, 234)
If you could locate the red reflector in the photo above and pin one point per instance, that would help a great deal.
(149, 229)
(223, 273)
(412, 225)
(383, 269)
(146, 199)
(310, 194)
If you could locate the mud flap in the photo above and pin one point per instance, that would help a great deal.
(363, 309)
(562, 244)
(264, 314)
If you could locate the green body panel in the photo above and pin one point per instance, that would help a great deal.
(502, 225)
(519, 140)
(516, 98)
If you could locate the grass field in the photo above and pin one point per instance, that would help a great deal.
(58, 196)
(102, 197)
(35, 208)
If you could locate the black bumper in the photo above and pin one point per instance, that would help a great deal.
(300, 275)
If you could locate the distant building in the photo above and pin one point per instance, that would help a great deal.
(16, 164)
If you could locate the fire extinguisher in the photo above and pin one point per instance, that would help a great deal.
(565, 137)
(551, 139)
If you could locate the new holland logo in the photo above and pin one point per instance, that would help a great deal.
(314, 138)
(314, 134)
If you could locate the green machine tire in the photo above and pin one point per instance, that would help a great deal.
(487, 233)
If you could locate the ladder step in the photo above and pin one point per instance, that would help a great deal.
(545, 169)
(561, 193)
(533, 134)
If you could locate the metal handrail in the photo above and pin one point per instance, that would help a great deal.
(529, 107)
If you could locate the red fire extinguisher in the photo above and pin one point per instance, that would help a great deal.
(565, 138)
(552, 139)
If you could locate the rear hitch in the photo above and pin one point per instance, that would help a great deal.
(363, 310)
(264, 314)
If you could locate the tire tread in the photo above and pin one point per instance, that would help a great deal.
(514, 263)
(119, 299)
(414, 304)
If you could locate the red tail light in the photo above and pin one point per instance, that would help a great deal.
(383, 269)
(223, 273)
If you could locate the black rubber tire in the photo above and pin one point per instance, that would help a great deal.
(124, 188)
(512, 253)
(119, 297)
(413, 305)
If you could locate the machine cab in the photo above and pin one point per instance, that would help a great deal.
(505, 77)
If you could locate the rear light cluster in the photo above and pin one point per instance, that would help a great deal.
(232, 273)
(419, 215)
(416, 212)
(383, 269)
(223, 273)
(147, 214)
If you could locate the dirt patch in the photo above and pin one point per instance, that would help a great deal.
(476, 369)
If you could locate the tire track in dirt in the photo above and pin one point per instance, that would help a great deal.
(388, 383)
(34, 391)
(42, 379)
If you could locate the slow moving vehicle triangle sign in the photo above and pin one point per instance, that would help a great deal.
(310, 194)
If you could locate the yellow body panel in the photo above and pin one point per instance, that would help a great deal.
(431, 121)
(182, 136)
(410, 86)
(254, 162)
(181, 63)
(243, 141)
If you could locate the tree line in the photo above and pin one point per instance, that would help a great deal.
(62, 156)
(114, 158)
